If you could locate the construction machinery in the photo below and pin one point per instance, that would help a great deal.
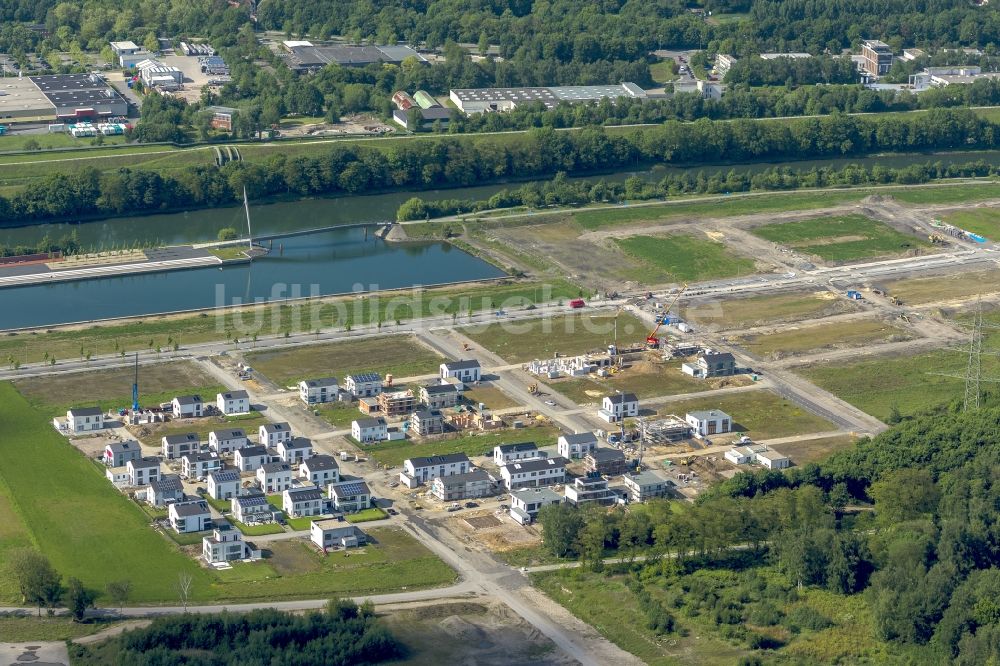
(935, 239)
(466, 347)
(652, 341)
(533, 389)
(895, 300)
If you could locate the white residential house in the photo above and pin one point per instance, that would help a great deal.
(741, 455)
(426, 422)
(84, 419)
(576, 445)
(117, 454)
(642, 486)
(118, 476)
(440, 396)
(533, 473)
(270, 434)
(318, 391)
(142, 470)
(505, 453)
(332, 533)
(525, 503)
(363, 385)
(619, 406)
(178, 446)
(425, 469)
(163, 491)
(198, 465)
(295, 450)
(588, 490)
(366, 431)
(321, 470)
(350, 496)
(226, 545)
(227, 441)
(223, 484)
(304, 501)
(708, 423)
(464, 371)
(456, 487)
(251, 458)
(192, 516)
(771, 459)
(251, 508)
(274, 477)
(187, 406)
(234, 402)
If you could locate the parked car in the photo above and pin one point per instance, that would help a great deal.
(471, 505)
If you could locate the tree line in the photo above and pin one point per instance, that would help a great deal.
(344, 633)
(454, 162)
(561, 191)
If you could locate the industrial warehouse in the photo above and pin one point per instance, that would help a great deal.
(303, 56)
(59, 97)
(480, 100)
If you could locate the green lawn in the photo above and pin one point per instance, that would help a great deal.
(795, 340)
(151, 434)
(662, 71)
(112, 388)
(949, 193)
(338, 414)
(686, 258)
(367, 515)
(841, 237)
(521, 341)
(908, 382)
(299, 524)
(399, 355)
(760, 414)
(394, 453)
(18, 629)
(983, 221)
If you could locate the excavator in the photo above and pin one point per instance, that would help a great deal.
(652, 341)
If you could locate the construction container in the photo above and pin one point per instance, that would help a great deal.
(425, 100)
(403, 101)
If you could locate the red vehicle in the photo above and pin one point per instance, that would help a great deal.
(576, 303)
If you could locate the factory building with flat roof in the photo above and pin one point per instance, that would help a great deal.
(481, 100)
(303, 56)
(59, 97)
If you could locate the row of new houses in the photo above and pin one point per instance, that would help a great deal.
(370, 385)
(91, 419)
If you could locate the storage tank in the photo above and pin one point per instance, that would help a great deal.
(403, 101)
(424, 99)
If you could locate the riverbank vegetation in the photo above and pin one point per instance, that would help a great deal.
(561, 191)
(883, 549)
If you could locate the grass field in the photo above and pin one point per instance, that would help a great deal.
(111, 388)
(943, 287)
(400, 355)
(758, 310)
(793, 340)
(950, 193)
(522, 341)
(394, 453)
(152, 433)
(983, 221)
(841, 237)
(662, 71)
(686, 258)
(815, 450)
(18, 629)
(490, 396)
(716, 207)
(366, 516)
(163, 331)
(760, 414)
(908, 382)
(337, 414)
(74, 516)
(647, 380)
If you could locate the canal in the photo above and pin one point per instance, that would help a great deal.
(329, 262)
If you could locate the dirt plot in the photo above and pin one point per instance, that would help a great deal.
(495, 532)
(113, 388)
(814, 450)
(483, 522)
(942, 288)
(728, 313)
(471, 634)
(789, 341)
(644, 378)
(151, 434)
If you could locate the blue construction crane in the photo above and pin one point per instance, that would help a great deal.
(135, 385)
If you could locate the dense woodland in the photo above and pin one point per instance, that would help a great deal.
(343, 635)
(468, 161)
(926, 560)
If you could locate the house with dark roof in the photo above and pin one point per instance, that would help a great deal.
(576, 445)
(233, 402)
(142, 470)
(363, 385)
(505, 453)
(164, 490)
(251, 508)
(187, 406)
(227, 441)
(270, 434)
(427, 468)
(440, 396)
(178, 446)
(295, 450)
(476, 483)
(274, 477)
(224, 484)
(304, 501)
(251, 458)
(609, 462)
(533, 473)
(318, 391)
(350, 496)
(189, 516)
(372, 429)
(320, 470)
(117, 454)
(464, 371)
(425, 422)
(619, 406)
(84, 419)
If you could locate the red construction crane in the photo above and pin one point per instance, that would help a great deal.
(651, 340)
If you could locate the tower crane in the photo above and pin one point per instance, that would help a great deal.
(651, 340)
